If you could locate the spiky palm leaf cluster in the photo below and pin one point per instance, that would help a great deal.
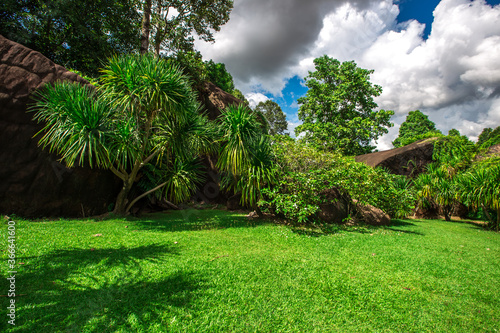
(245, 154)
(437, 186)
(479, 187)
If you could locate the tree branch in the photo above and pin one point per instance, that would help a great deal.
(119, 174)
(149, 192)
(149, 158)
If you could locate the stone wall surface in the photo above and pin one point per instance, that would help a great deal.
(32, 181)
(214, 99)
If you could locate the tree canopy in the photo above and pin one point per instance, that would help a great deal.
(275, 117)
(338, 109)
(414, 128)
(172, 23)
(73, 33)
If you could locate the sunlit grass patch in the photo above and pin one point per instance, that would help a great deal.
(213, 270)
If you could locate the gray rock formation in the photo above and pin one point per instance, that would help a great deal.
(409, 160)
(32, 182)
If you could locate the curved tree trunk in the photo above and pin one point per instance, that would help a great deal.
(446, 212)
(122, 198)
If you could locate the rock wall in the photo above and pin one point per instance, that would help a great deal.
(32, 182)
(409, 160)
(215, 99)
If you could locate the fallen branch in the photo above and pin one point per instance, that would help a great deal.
(218, 257)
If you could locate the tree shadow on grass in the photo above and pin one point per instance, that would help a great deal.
(404, 224)
(194, 220)
(104, 290)
(329, 229)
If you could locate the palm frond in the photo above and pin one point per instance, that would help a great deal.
(77, 123)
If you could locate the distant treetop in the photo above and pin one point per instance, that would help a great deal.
(417, 126)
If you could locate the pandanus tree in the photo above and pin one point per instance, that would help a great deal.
(437, 186)
(479, 187)
(143, 113)
(245, 155)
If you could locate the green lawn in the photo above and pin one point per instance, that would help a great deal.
(214, 271)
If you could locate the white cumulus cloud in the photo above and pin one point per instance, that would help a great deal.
(453, 76)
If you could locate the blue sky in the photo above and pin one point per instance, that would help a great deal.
(446, 65)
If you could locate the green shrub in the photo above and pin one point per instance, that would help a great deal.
(304, 173)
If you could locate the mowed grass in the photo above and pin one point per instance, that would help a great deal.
(217, 271)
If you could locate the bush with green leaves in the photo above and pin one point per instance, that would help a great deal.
(305, 172)
(457, 151)
(218, 75)
(437, 186)
(488, 138)
(409, 140)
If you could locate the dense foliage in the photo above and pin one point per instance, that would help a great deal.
(218, 75)
(73, 33)
(173, 23)
(479, 187)
(144, 111)
(245, 154)
(417, 126)
(238, 94)
(338, 109)
(443, 184)
(305, 172)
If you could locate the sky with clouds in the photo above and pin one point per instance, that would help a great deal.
(441, 57)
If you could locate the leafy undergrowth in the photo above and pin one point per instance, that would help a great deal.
(215, 271)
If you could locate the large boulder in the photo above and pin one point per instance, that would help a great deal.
(372, 215)
(494, 151)
(336, 206)
(32, 182)
(431, 212)
(409, 160)
(215, 99)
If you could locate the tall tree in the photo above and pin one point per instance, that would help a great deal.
(415, 126)
(144, 111)
(173, 22)
(338, 109)
(146, 26)
(274, 116)
(73, 33)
